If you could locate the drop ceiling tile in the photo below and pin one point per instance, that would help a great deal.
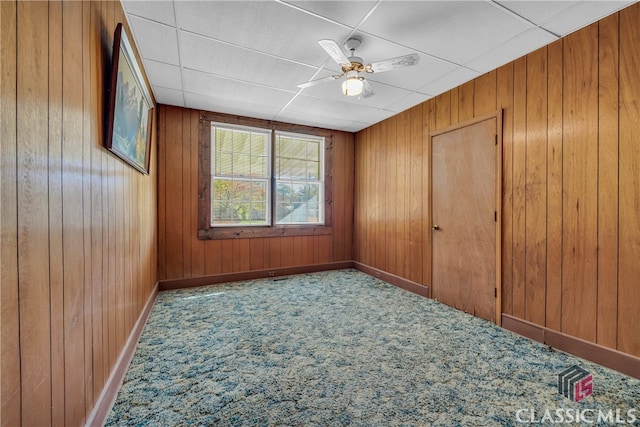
(164, 75)
(449, 81)
(268, 27)
(229, 106)
(355, 126)
(156, 10)
(407, 102)
(513, 49)
(581, 15)
(203, 54)
(346, 12)
(168, 96)
(451, 30)
(155, 41)
(376, 116)
(537, 11)
(328, 108)
(234, 95)
(310, 119)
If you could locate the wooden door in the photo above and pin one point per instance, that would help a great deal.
(464, 214)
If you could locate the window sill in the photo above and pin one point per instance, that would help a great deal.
(259, 232)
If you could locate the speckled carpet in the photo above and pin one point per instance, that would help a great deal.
(344, 348)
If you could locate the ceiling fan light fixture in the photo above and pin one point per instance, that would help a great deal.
(352, 86)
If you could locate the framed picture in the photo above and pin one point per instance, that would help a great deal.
(128, 133)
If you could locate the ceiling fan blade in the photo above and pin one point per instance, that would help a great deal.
(319, 81)
(394, 63)
(332, 48)
(367, 89)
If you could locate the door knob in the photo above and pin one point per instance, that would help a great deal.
(435, 227)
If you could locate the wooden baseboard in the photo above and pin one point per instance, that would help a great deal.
(172, 284)
(107, 398)
(398, 281)
(616, 360)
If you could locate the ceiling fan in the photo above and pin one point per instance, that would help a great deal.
(352, 66)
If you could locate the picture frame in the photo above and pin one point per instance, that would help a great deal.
(130, 110)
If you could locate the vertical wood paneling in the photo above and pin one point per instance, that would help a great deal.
(197, 246)
(465, 101)
(73, 247)
(188, 194)
(403, 134)
(72, 218)
(428, 120)
(376, 182)
(174, 189)
(536, 187)
(339, 197)
(519, 174)
(415, 225)
(390, 193)
(554, 186)
(32, 192)
(484, 93)
(10, 326)
(56, 271)
(607, 181)
(629, 190)
(88, 132)
(162, 193)
(455, 105)
(348, 177)
(504, 94)
(443, 110)
(213, 258)
(580, 160)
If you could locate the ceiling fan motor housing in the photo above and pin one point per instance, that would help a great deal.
(352, 44)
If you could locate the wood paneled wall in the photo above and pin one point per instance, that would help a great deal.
(571, 182)
(79, 232)
(182, 255)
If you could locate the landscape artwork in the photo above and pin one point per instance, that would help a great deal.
(130, 107)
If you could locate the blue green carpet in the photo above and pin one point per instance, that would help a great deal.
(344, 348)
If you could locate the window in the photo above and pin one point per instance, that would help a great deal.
(240, 178)
(262, 179)
(299, 179)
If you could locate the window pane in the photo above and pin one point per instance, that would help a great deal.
(240, 176)
(224, 164)
(258, 145)
(224, 140)
(241, 165)
(313, 151)
(313, 171)
(298, 203)
(258, 166)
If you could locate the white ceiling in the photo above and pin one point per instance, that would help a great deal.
(247, 57)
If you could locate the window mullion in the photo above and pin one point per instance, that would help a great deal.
(273, 198)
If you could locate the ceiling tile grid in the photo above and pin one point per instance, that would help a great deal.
(248, 57)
